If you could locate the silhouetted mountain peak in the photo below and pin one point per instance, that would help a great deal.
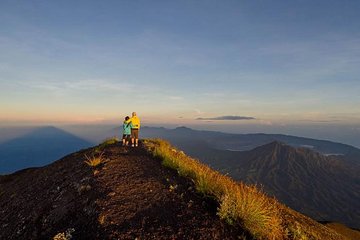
(301, 174)
(278, 147)
(277, 144)
(274, 148)
(183, 128)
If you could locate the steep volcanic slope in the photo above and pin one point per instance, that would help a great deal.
(322, 187)
(130, 195)
(38, 203)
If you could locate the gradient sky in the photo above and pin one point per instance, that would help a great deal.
(280, 62)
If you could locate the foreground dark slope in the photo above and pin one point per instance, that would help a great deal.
(129, 196)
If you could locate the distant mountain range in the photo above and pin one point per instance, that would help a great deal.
(315, 177)
(38, 147)
(242, 142)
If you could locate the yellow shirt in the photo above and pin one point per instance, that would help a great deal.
(135, 121)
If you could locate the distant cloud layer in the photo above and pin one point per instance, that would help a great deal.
(227, 118)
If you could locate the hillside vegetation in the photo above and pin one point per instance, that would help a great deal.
(240, 204)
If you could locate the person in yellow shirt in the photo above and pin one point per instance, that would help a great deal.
(135, 126)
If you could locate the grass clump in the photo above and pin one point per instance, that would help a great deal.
(101, 219)
(105, 143)
(298, 231)
(239, 204)
(94, 160)
(110, 141)
(67, 235)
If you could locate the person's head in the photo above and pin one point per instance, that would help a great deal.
(127, 118)
(134, 114)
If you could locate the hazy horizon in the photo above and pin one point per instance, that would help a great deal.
(345, 134)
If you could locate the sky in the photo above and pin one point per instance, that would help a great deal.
(225, 63)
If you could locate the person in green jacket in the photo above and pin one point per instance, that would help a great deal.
(127, 125)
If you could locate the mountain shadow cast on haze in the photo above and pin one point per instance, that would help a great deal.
(41, 146)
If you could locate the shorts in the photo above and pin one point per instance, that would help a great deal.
(126, 137)
(135, 133)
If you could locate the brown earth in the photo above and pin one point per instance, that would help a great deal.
(129, 196)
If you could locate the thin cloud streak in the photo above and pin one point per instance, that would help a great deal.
(233, 118)
(89, 85)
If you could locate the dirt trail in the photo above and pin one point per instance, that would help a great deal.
(147, 201)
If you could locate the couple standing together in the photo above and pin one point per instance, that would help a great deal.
(131, 128)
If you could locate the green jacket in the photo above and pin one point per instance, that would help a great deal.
(127, 128)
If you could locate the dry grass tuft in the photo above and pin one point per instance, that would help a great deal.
(101, 219)
(94, 160)
(67, 235)
(296, 231)
(240, 204)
